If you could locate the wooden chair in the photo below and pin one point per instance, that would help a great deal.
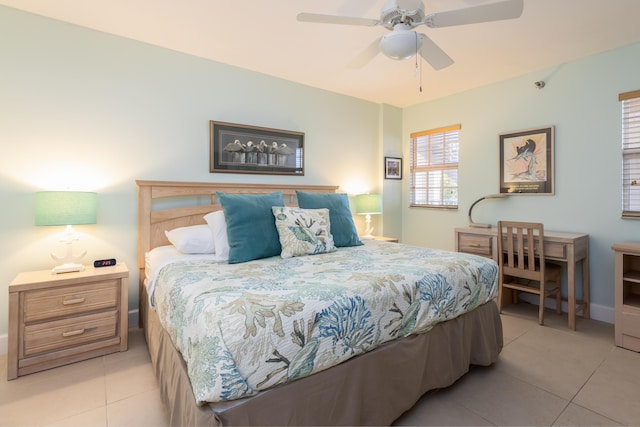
(523, 267)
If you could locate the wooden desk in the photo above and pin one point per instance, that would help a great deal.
(558, 246)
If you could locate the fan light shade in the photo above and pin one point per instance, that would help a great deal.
(66, 207)
(401, 44)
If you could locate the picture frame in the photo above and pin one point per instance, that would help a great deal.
(527, 162)
(392, 168)
(238, 148)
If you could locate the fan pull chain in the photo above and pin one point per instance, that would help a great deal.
(418, 69)
(421, 61)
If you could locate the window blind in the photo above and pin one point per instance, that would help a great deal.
(630, 153)
(434, 167)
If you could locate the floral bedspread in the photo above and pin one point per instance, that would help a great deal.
(246, 327)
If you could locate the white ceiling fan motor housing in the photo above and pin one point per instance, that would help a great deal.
(409, 12)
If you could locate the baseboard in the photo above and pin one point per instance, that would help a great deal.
(4, 339)
(597, 311)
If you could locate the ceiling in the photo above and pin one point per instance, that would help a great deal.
(264, 36)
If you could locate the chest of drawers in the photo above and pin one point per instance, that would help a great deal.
(627, 294)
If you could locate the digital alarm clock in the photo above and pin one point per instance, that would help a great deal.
(104, 262)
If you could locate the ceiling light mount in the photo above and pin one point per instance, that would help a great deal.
(402, 12)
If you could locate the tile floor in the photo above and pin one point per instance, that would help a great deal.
(546, 376)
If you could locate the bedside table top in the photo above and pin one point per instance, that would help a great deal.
(386, 239)
(40, 278)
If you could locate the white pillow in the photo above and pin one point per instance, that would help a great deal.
(218, 227)
(194, 239)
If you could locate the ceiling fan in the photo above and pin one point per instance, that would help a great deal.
(402, 16)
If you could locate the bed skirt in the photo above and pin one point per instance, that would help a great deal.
(371, 389)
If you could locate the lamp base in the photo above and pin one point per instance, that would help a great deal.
(67, 267)
(368, 230)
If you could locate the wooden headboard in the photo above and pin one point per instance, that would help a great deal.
(195, 199)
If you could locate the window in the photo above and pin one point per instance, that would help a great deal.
(434, 167)
(630, 153)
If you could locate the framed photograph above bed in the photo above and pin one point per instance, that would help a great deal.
(526, 162)
(236, 148)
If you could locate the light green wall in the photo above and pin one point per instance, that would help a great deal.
(88, 110)
(581, 100)
(391, 131)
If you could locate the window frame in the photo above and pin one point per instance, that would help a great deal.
(630, 147)
(448, 137)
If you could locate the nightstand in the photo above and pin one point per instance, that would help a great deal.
(56, 319)
(385, 239)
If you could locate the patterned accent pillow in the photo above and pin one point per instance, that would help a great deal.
(303, 231)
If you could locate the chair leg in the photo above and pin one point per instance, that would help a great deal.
(541, 309)
(559, 298)
(500, 294)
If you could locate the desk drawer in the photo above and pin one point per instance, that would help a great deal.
(555, 250)
(46, 337)
(52, 303)
(475, 244)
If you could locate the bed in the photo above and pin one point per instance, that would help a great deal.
(369, 387)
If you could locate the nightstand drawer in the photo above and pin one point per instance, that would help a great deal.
(51, 303)
(475, 244)
(630, 322)
(46, 337)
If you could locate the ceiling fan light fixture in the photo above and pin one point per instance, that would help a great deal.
(401, 44)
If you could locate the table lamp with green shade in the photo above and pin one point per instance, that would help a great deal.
(66, 208)
(368, 204)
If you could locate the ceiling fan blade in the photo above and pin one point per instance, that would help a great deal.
(509, 9)
(366, 55)
(332, 19)
(432, 53)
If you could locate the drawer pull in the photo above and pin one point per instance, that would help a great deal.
(474, 245)
(73, 333)
(73, 301)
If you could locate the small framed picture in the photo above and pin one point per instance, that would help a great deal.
(392, 168)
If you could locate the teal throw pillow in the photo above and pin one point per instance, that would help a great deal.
(251, 228)
(342, 227)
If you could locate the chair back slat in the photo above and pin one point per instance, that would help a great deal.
(531, 248)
